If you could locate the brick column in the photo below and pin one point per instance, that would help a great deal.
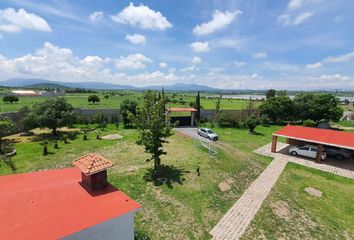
(319, 153)
(274, 144)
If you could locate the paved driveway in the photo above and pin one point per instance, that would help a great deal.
(192, 132)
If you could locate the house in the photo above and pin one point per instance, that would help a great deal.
(70, 203)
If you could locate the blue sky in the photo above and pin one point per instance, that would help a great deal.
(235, 44)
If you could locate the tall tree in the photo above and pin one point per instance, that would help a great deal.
(270, 93)
(53, 113)
(317, 107)
(152, 123)
(278, 109)
(128, 107)
(10, 99)
(197, 105)
(6, 126)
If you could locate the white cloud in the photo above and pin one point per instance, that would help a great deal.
(95, 16)
(189, 69)
(303, 17)
(200, 46)
(133, 61)
(143, 17)
(196, 60)
(15, 21)
(260, 55)
(287, 20)
(314, 66)
(295, 4)
(341, 58)
(240, 64)
(136, 38)
(163, 64)
(336, 77)
(220, 20)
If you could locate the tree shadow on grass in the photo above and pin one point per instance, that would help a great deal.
(166, 174)
(257, 133)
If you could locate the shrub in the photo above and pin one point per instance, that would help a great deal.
(309, 123)
(252, 123)
(10, 99)
(225, 119)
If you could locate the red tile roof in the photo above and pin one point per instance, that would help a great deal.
(317, 135)
(92, 163)
(52, 204)
(182, 110)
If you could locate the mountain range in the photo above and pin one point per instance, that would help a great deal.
(33, 82)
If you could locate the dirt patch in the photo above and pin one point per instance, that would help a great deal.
(281, 209)
(224, 186)
(112, 137)
(313, 191)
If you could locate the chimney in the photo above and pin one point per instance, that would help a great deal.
(93, 171)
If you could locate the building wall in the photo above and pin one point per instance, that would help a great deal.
(121, 228)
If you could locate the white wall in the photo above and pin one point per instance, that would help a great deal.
(121, 228)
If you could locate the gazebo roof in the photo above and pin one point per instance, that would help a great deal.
(92, 163)
(182, 110)
(316, 135)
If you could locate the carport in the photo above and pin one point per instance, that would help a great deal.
(297, 135)
(183, 120)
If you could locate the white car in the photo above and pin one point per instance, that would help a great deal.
(306, 151)
(208, 133)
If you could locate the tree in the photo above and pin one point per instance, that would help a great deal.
(270, 93)
(218, 104)
(252, 123)
(282, 93)
(10, 98)
(153, 127)
(53, 113)
(6, 126)
(278, 109)
(317, 107)
(128, 107)
(197, 105)
(93, 99)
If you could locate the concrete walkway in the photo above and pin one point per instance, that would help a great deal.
(238, 218)
(240, 215)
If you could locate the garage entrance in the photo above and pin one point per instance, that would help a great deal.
(179, 115)
(297, 135)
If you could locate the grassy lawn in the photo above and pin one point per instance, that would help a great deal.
(291, 213)
(80, 101)
(188, 205)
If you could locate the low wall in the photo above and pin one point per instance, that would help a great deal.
(88, 113)
(208, 114)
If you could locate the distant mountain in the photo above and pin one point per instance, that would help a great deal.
(38, 83)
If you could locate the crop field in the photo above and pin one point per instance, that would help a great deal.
(81, 101)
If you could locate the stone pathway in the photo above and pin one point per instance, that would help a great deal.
(235, 222)
(240, 215)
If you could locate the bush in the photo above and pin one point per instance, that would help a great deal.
(10, 99)
(225, 119)
(309, 123)
(252, 123)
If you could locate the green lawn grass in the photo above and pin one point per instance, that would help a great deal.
(188, 206)
(113, 102)
(308, 217)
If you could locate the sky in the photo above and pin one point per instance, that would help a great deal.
(233, 44)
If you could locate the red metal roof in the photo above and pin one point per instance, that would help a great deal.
(52, 204)
(317, 135)
(182, 110)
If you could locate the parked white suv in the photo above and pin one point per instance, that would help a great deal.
(208, 133)
(306, 151)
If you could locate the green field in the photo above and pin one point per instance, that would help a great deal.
(291, 213)
(188, 205)
(80, 101)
